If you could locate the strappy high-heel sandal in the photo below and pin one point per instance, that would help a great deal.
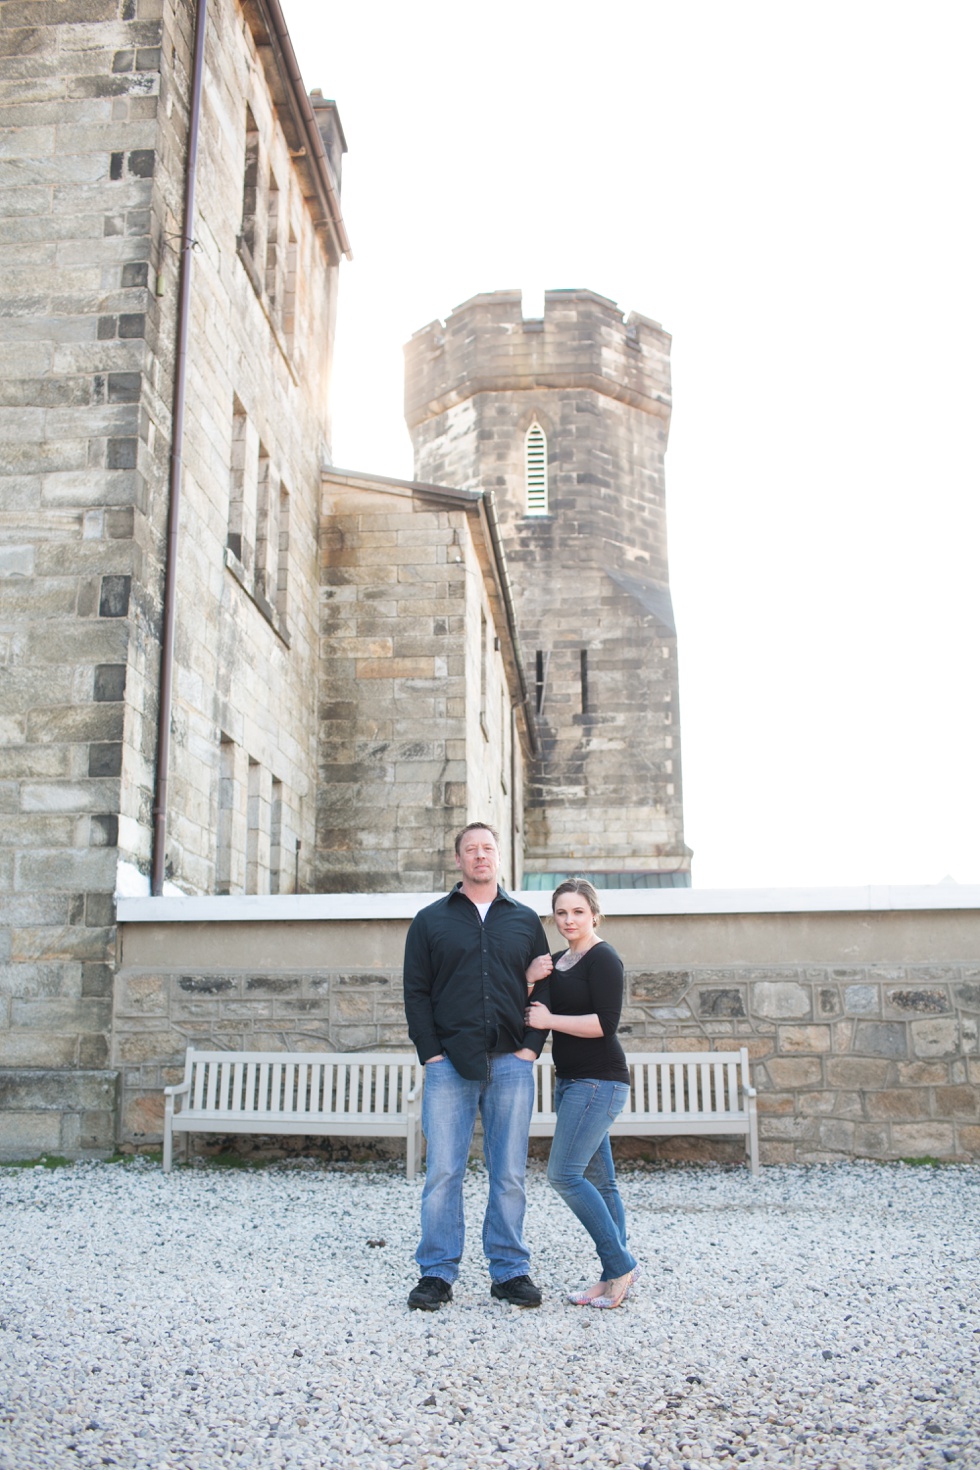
(617, 1297)
(587, 1297)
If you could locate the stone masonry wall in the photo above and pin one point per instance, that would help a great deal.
(867, 1060)
(82, 217)
(94, 101)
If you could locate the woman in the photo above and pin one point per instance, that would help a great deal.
(592, 1081)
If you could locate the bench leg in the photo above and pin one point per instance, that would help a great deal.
(753, 1139)
(412, 1144)
(168, 1136)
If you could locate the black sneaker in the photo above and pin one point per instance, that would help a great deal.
(520, 1291)
(430, 1294)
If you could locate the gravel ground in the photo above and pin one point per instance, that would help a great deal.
(820, 1317)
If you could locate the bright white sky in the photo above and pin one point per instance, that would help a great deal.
(791, 189)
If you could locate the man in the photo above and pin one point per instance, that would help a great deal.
(465, 996)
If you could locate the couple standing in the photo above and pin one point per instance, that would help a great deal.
(481, 994)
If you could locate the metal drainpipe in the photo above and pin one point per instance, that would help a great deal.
(176, 467)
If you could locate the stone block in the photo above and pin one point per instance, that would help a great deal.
(968, 1140)
(861, 1074)
(142, 1117)
(968, 996)
(957, 1102)
(663, 987)
(25, 1135)
(922, 1074)
(207, 984)
(793, 1039)
(352, 1007)
(918, 1002)
(870, 1142)
(779, 1000)
(793, 1072)
(777, 1104)
(142, 995)
(36, 1049)
(935, 1038)
(162, 1046)
(881, 1039)
(721, 1002)
(923, 1140)
(793, 1126)
(898, 1103)
(862, 1000)
(836, 1135)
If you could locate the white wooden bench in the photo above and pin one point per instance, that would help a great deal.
(671, 1093)
(341, 1094)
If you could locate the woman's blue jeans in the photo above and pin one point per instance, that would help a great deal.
(581, 1169)
(449, 1108)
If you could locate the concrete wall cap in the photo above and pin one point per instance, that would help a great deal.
(287, 908)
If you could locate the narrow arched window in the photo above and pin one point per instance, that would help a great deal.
(536, 471)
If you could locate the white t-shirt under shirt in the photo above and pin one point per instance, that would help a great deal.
(483, 909)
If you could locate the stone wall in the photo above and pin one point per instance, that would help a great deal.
(862, 1027)
(94, 108)
(590, 576)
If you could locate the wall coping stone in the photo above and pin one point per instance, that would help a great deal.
(616, 902)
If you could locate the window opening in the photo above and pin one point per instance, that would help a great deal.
(275, 840)
(536, 471)
(227, 874)
(273, 254)
(266, 533)
(278, 593)
(250, 188)
(541, 662)
(237, 508)
(584, 678)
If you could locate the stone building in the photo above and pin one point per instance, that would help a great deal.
(105, 105)
(565, 419)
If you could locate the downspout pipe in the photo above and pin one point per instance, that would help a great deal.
(176, 466)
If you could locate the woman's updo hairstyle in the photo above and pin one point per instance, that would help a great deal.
(584, 889)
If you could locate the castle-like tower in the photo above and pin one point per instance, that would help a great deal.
(565, 419)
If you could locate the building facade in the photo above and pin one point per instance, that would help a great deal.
(99, 106)
(565, 419)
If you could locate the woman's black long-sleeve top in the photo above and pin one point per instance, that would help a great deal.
(593, 984)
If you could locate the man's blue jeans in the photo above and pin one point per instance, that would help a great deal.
(449, 1108)
(581, 1169)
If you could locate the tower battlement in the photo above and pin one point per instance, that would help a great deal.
(582, 341)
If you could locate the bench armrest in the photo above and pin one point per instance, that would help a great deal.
(177, 1089)
(749, 1091)
(416, 1091)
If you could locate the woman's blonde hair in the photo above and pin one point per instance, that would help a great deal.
(584, 888)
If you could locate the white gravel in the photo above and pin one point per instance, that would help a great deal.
(821, 1317)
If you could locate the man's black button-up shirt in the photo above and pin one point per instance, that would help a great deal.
(465, 991)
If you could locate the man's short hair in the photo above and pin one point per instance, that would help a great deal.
(477, 827)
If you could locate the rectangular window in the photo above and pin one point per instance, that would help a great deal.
(279, 594)
(229, 874)
(259, 828)
(250, 186)
(275, 840)
(273, 253)
(289, 292)
(266, 535)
